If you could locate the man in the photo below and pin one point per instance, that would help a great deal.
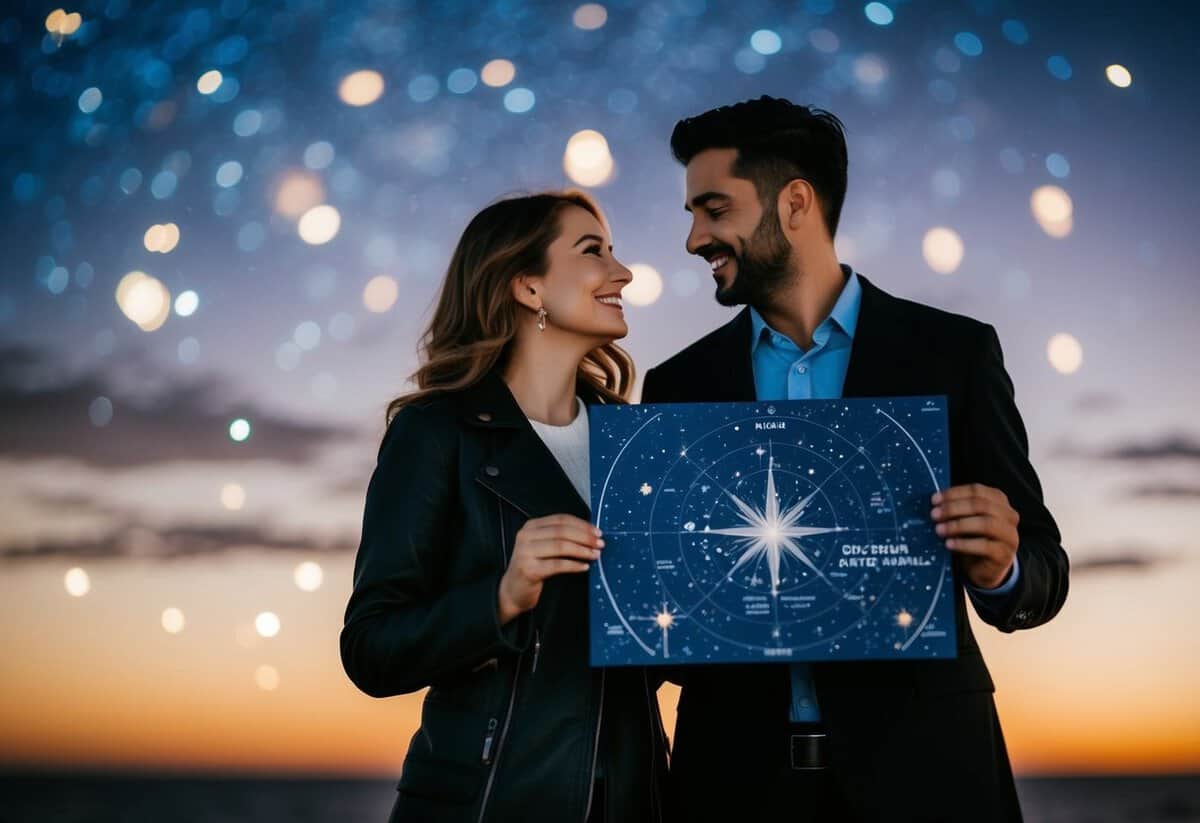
(876, 740)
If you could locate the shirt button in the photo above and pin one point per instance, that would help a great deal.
(491, 471)
(484, 417)
(802, 369)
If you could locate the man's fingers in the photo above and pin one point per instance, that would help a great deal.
(967, 507)
(967, 491)
(974, 546)
(977, 526)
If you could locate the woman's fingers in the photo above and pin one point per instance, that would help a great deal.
(566, 527)
(561, 565)
(563, 548)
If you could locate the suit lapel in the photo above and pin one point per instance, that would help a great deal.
(732, 376)
(877, 356)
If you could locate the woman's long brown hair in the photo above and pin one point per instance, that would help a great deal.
(476, 318)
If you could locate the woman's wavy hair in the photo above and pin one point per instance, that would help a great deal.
(476, 318)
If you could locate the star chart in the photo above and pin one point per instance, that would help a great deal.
(770, 531)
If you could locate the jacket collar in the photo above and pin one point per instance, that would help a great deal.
(518, 466)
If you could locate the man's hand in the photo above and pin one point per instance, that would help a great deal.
(980, 526)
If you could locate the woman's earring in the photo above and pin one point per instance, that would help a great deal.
(541, 319)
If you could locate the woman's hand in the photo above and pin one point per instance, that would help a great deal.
(545, 546)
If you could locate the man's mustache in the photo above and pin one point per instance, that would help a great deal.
(712, 250)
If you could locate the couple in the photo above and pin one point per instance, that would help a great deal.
(471, 575)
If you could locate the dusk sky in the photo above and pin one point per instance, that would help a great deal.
(225, 224)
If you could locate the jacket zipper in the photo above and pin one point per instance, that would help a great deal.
(595, 749)
(537, 648)
(512, 698)
(487, 741)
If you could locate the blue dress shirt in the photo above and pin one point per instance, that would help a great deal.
(784, 371)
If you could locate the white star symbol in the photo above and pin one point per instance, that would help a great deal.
(773, 533)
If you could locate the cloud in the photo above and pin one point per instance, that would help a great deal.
(1165, 447)
(44, 412)
(1131, 558)
(1166, 491)
(173, 542)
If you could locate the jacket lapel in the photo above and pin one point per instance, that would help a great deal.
(518, 466)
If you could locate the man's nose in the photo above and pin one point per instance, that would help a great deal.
(697, 239)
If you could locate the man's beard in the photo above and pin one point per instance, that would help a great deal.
(761, 267)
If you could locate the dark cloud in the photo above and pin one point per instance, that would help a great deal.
(1165, 447)
(44, 412)
(1133, 558)
(171, 543)
(1166, 491)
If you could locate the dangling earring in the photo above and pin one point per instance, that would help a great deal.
(541, 319)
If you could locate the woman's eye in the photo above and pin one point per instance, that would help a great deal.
(592, 250)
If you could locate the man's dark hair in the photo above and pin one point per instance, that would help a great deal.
(777, 141)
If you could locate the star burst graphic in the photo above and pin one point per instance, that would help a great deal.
(773, 532)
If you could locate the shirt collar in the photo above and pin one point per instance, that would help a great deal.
(844, 314)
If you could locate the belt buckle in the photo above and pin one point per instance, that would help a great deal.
(807, 752)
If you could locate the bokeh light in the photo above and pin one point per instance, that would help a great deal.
(233, 496)
(239, 430)
(498, 73)
(587, 159)
(766, 42)
(298, 191)
(267, 624)
(161, 238)
(63, 24)
(90, 100)
(361, 88)
(209, 82)
(879, 14)
(266, 678)
(77, 582)
(1119, 76)
(186, 303)
(943, 249)
(1065, 353)
(380, 293)
(308, 576)
(319, 225)
(173, 620)
(144, 300)
(1053, 210)
(646, 286)
(590, 16)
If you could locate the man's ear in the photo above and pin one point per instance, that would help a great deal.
(797, 201)
(527, 291)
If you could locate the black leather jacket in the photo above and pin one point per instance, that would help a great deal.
(511, 724)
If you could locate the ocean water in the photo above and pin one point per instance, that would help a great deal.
(47, 798)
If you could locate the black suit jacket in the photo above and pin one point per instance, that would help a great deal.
(910, 740)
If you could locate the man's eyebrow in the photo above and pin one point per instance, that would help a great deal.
(595, 237)
(702, 200)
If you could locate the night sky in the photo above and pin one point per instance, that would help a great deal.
(285, 182)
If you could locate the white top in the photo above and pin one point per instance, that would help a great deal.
(569, 445)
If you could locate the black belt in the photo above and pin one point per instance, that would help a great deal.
(808, 747)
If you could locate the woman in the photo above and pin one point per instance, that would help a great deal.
(471, 575)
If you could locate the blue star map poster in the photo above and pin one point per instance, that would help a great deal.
(769, 532)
